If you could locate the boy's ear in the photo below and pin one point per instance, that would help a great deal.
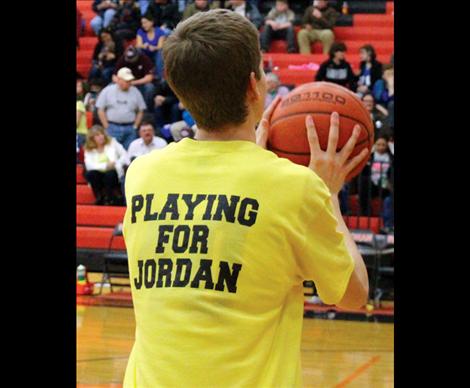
(253, 91)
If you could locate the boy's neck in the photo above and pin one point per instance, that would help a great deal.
(244, 132)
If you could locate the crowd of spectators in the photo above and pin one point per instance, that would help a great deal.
(134, 109)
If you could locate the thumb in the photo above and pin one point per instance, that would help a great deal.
(262, 133)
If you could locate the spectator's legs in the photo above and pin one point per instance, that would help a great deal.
(107, 74)
(176, 113)
(96, 24)
(110, 183)
(116, 131)
(95, 179)
(265, 38)
(158, 64)
(290, 37)
(95, 71)
(176, 128)
(304, 39)
(327, 37)
(159, 116)
(143, 5)
(108, 17)
(387, 214)
(129, 135)
(148, 90)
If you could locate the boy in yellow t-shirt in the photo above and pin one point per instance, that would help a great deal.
(221, 233)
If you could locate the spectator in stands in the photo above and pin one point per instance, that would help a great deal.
(95, 85)
(105, 11)
(81, 89)
(274, 89)
(197, 6)
(146, 142)
(336, 69)
(374, 179)
(165, 14)
(180, 129)
(150, 41)
(82, 128)
(378, 114)
(105, 164)
(370, 70)
(167, 109)
(318, 22)
(143, 71)
(247, 9)
(126, 20)
(383, 89)
(278, 24)
(121, 108)
(107, 51)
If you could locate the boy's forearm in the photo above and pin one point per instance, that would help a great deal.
(359, 266)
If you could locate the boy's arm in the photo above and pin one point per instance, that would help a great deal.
(358, 287)
(333, 167)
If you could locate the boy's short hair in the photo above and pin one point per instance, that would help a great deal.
(208, 60)
(335, 47)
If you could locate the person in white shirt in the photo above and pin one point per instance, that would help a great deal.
(105, 164)
(146, 142)
(248, 10)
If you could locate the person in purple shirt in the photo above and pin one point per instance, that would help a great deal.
(150, 41)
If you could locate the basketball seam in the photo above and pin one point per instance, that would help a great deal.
(307, 153)
(322, 112)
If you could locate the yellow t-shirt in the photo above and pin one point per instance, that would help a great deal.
(82, 127)
(220, 236)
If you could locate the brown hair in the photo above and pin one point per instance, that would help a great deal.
(90, 141)
(208, 60)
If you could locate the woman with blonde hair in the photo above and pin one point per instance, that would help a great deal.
(105, 163)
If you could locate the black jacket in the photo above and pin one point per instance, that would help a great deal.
(341, 74)
(164, 14)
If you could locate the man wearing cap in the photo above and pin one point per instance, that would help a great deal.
(121, 107)
(143, 70)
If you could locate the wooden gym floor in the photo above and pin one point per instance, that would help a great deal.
(335, 353)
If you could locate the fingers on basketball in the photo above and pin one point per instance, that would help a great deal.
(349, 146)
(356, 160)
(312, 135)
(333, 134)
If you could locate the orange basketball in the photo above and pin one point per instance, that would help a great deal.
(288, 134)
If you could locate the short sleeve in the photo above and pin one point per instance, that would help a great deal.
(140, 100)
(323, 256)
(101, 100)
(81, 106)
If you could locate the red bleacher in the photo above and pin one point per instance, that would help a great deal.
(374, 29)
(95, 224)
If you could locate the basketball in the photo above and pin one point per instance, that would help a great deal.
(288, 134)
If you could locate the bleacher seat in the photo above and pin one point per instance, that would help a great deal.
(85, 195)
(98, 238)
(90, 215)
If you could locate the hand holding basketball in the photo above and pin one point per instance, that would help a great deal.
(262, 131)
(333, 167)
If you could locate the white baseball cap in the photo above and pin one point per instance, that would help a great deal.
(125, 73)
